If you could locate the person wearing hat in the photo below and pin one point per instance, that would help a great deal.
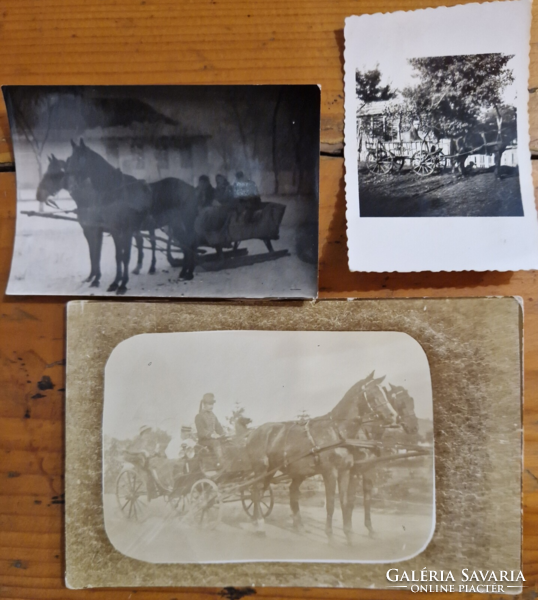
(208, 427)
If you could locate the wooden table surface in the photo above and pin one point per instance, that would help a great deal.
(190, 42)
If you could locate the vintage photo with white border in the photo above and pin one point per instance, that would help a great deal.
(242, 446)
(438, 171)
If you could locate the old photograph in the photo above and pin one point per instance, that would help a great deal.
(437, 137)
(174, 191)
(438, 170)
(241, 446)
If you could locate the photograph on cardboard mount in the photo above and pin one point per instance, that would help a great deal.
(241, 446)
(185, 191)
(437, 137)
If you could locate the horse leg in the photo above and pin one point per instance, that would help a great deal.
(294, 504)
(125, 257)
(97, 258)
(367, 486)
(329, 479)
(140, 247)
(88, 234)
(268, 245)
(117, 243)
(343, 491)
(187, 272)
(153, 242)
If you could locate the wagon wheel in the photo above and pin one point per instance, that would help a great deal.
(267, 502)
(423, 163)
(130, 491)
(205, 504)
(378, 162)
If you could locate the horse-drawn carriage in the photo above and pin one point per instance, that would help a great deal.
(197, 489)
(285, 452)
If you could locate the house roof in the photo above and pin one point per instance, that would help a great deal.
(374, 108)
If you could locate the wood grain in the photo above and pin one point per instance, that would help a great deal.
(187, 42)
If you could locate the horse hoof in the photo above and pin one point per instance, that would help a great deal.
(260, 533)
(136, 271)
(371, 534)
(152, 271)
(121, 290)
(94, 284)
(112, 287)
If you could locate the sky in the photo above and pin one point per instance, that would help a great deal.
(399, 73)
(159, 379)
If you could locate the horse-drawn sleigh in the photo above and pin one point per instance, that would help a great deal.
(109, 201)
(341, 446)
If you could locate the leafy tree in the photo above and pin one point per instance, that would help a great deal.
(454, 91)
(369, 88)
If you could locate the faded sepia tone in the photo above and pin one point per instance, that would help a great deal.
(473, 347)
(274, 427)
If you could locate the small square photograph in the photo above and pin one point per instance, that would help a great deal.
(245, 446)
(437, 137)
(169, 191)
(438, 170)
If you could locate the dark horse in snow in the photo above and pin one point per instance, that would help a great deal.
(110, 201)
(303, 449)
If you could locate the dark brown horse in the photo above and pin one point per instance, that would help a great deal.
(404, 405)
(170, 202)
(303, 449)
(53, 181)
(107, 201)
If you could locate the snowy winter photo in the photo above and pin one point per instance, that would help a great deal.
(166, 190)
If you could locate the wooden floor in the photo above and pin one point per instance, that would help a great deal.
(187, 42)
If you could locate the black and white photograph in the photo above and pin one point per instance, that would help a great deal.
(437, 126)
(244, 446)
(437, 137)
(171, 191)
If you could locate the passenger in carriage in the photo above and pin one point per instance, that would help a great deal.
(247, 196)
(209, 429)
(205, 192)
(224, 193)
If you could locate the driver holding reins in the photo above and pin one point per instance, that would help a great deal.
(208, 428)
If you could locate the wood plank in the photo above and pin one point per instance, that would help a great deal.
(181, 42)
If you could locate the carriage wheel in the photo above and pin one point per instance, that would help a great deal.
(378, 162)
(205, 504)
(267, 502)
(423, 163)
(131, 494)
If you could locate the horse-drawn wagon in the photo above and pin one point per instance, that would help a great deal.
(423, 157)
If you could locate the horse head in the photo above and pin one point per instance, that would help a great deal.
(404, 405)
(364, 403)
(76, 164)
(51, 182)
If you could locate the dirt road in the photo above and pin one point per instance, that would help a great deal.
(163, 536)
(478, 194)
